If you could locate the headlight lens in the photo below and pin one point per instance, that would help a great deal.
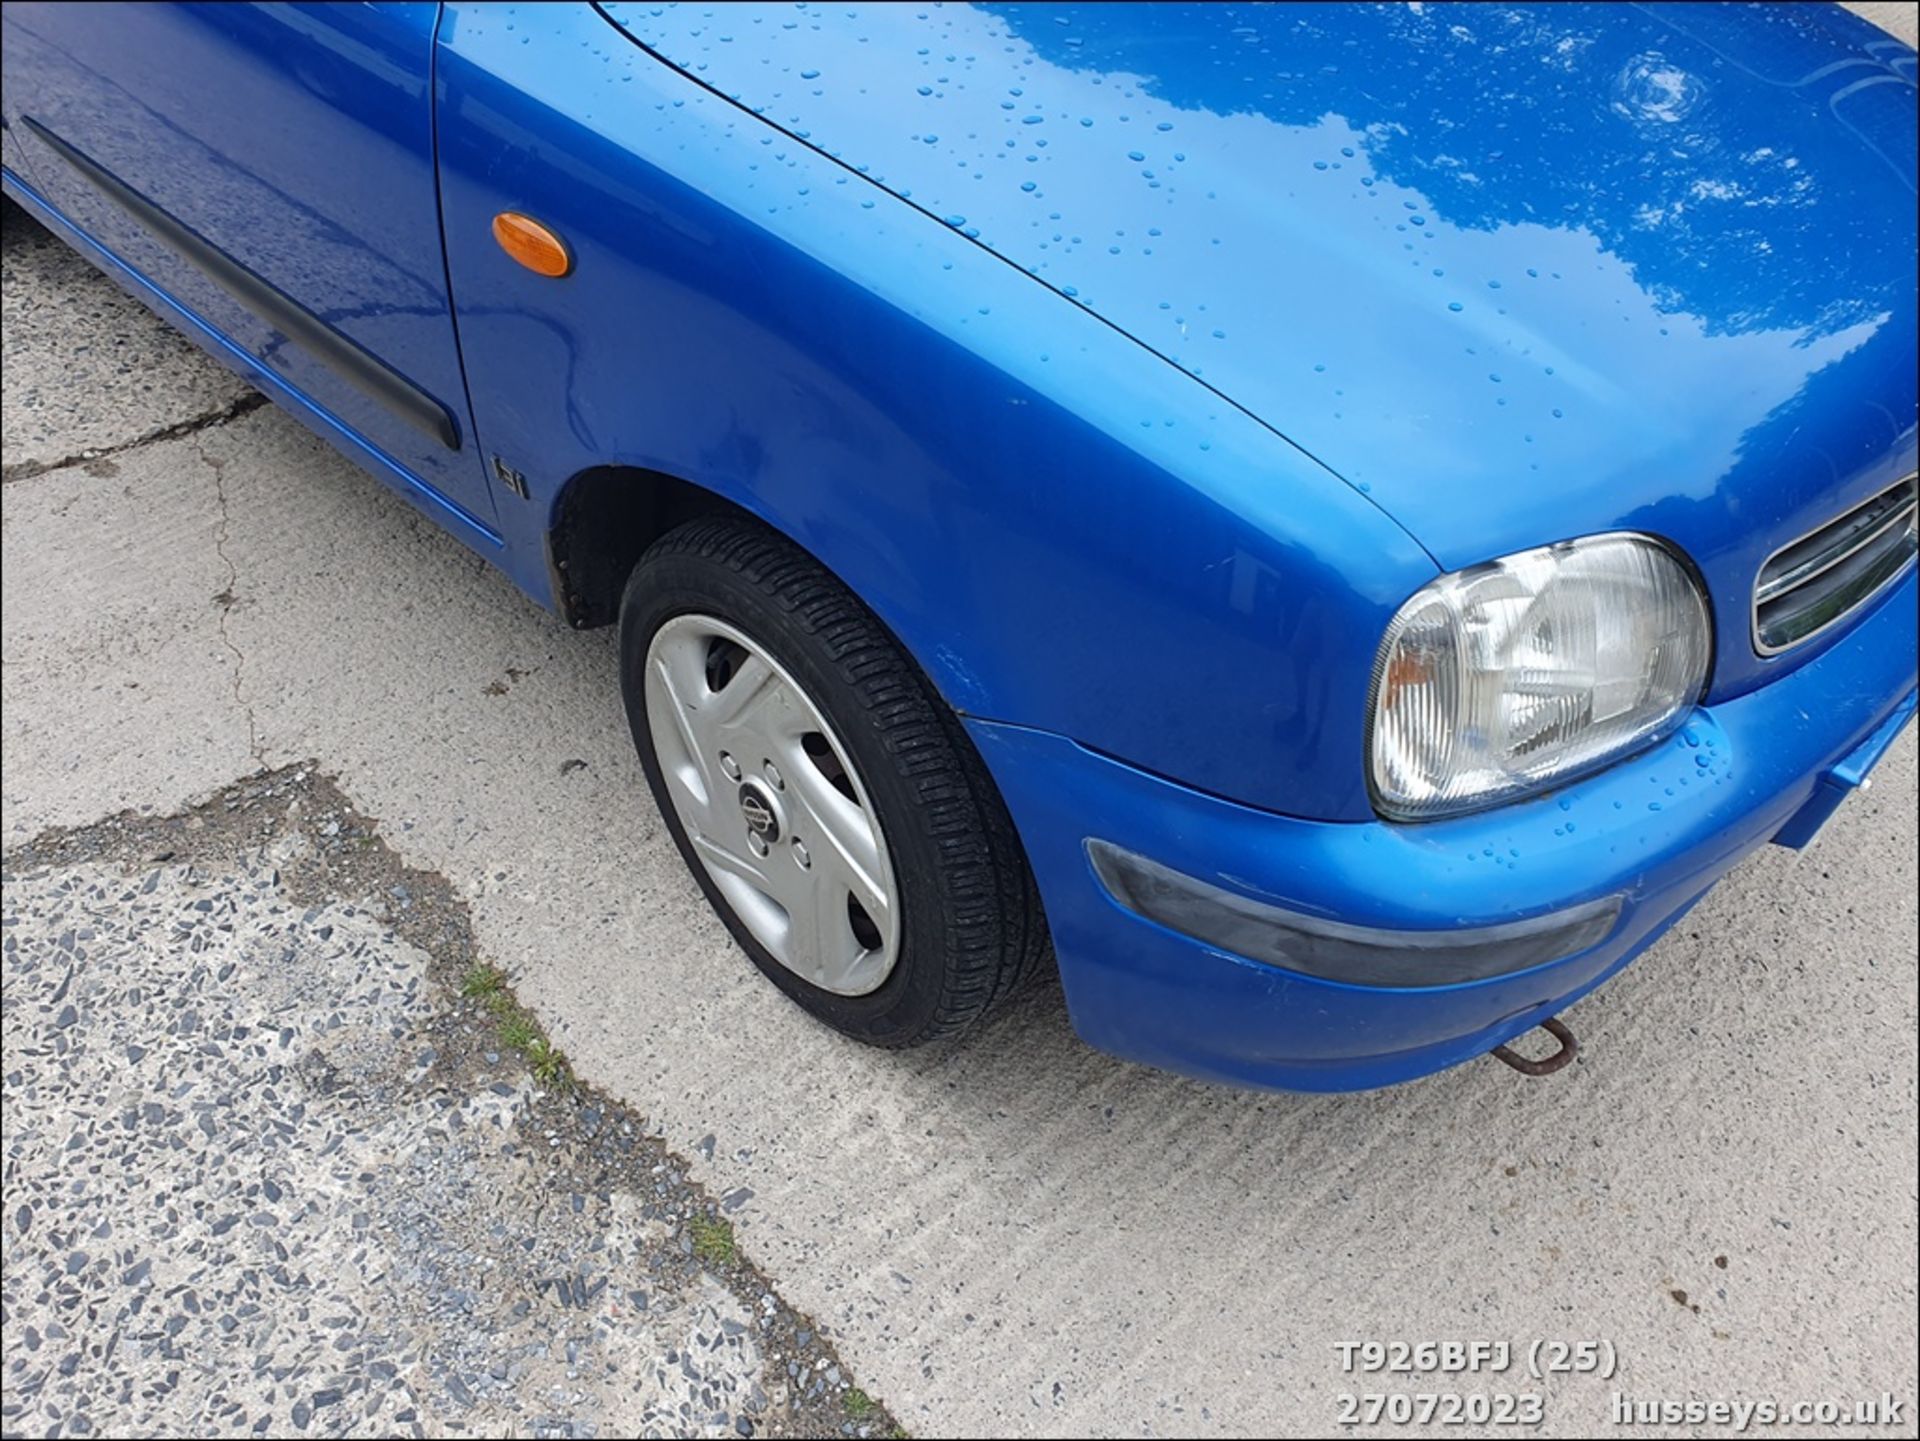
(1506, 678)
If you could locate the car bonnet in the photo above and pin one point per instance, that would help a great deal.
(1516, 272)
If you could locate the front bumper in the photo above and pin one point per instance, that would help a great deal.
(1655, 831)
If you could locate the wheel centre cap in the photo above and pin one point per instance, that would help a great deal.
(762, 813)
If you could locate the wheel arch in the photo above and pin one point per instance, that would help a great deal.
(603, 520)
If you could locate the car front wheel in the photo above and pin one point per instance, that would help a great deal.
(826, 799)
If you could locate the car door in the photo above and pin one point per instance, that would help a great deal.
(271, 168)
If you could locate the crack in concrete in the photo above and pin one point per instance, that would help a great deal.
(28, 469)
(226, 601)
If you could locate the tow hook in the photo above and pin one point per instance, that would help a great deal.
(1546, 1066)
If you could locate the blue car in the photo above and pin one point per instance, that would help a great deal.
(1331, 526)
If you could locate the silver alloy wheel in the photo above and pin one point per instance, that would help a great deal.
(778, 817)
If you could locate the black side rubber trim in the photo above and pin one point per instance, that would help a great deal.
(366, 371)
(1333, 950)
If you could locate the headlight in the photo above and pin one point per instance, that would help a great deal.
(1511, 676)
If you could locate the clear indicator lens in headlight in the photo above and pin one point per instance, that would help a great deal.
(1504, 679)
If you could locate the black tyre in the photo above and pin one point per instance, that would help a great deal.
(826, 799)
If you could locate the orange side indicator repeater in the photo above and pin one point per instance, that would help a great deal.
(532, 244)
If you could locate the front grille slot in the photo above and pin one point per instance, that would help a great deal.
(1823, 577)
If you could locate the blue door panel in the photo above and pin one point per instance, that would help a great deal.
(297, 140)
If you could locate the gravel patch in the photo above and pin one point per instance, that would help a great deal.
(267, 1173)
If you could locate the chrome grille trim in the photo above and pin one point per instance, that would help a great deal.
(1820, 579)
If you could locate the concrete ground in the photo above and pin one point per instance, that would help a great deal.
(1012, 1234)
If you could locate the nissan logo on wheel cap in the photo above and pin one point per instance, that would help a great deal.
(762, 819)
